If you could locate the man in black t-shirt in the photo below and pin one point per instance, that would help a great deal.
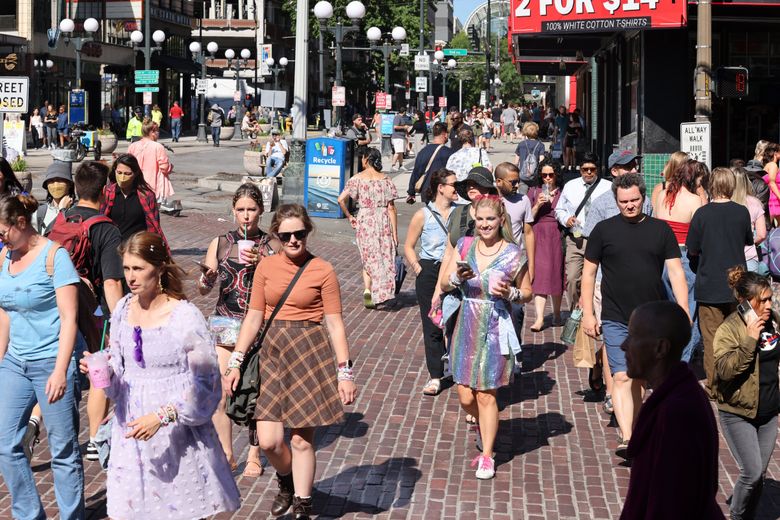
(632, 250)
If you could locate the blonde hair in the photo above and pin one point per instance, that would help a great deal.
(531, 130)
(495, 203)
(742, 188)
(148, 127)
(722, 183)
(676, 160)
(759, 152)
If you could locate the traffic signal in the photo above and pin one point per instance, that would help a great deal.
(473, 37)
(731, 82)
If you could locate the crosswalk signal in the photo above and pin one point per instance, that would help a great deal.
(731, 82)
(473, 37)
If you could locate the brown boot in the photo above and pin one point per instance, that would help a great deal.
(302, 507)
(284, 498)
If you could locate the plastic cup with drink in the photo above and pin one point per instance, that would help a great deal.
(495, 278)
(99, 369)
(243, 247)
(576, 230)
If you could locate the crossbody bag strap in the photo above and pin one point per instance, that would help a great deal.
(278, 307)
(586, 197)
(433, 156)
(438, 220)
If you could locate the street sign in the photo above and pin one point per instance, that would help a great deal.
(147, 98)
(455, 52)
(536, 92)
(237, 95)
(421, 62)
(404, 50)
(421, 84)
(429, 101)
(382, 101)
(14, 94)
(147, 89)
(339, 96)
(408, 95)
(147, 77)
(695, 141)
(483, 98)
(442, 102)
(202, 86)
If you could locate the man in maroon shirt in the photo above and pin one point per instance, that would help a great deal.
(176, 114)
(674, 446)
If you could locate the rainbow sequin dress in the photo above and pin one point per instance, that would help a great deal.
(484, 341)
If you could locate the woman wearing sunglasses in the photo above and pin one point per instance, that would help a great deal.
(166, 459)
(548, 254)
(299, 388)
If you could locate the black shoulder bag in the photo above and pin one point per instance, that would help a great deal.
(240, 407)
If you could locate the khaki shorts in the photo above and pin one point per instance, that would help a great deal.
(399, 145)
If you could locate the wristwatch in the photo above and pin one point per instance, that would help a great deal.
(346, 364)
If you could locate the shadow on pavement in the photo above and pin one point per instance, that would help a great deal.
(370, 489)
(525, 387)
(534, 355)
(769, 504)
(353, 427)
(521, 435)
(401, 301)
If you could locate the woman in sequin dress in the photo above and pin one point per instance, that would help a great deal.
(166, 460)
(235, 274)
(376, 226)
(490, 272)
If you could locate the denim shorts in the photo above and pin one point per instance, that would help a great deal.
(615, 334)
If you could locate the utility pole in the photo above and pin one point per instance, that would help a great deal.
(703, 96)
(421, 95)
(488, 75)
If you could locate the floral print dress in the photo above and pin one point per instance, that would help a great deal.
(375, 234)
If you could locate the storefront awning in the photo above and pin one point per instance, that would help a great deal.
(177, 64)
(554, 55)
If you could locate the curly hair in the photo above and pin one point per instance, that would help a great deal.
(746, 285)
(555, 165)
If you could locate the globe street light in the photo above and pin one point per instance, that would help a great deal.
(374, 35)
(200, 58)
(137, 37)
(230, 54)
(67, 26)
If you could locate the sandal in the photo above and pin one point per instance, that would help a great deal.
(233, 464)
(249, 471)
(537, 329)
(367, 302)
(432, 387)
(471, 420)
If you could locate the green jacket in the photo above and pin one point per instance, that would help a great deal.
(735, 385)
(133, 128)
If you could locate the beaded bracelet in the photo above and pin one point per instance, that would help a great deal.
(167, 414)
(236, 359)
(345, 374)
(455, 280)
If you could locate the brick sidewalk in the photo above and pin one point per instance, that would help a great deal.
(402, 455)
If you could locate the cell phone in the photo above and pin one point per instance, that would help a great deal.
(203, 267)
(747, 312)
(463, 264)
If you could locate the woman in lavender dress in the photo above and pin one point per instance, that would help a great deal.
(166, 460)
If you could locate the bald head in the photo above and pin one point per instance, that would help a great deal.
(663, 320)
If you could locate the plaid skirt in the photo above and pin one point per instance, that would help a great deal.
(298, 384)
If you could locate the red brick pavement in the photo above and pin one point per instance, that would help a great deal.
(402, 455)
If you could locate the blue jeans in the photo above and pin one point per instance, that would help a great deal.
(690, 277)
(273, 166)
(22, 384)
(176, 128)
(215, 134)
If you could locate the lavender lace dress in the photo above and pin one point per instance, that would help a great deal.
(181, 472)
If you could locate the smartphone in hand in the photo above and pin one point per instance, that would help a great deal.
(747, 312)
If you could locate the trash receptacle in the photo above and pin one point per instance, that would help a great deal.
(328, 166)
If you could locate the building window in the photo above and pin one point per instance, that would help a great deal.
(8, 15)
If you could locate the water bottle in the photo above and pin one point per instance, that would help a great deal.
(569, 334)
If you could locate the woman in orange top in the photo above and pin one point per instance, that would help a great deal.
(154, 162)
(296, 360)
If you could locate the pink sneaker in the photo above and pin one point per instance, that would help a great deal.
(486, 467)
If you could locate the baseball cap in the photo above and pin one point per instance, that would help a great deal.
(621, 157)
(754, 166)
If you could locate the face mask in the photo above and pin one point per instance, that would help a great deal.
(124, 181)
(57, 189)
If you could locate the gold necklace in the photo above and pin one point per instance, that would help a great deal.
(500, 243)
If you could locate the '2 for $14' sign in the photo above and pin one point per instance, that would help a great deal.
(576, 16)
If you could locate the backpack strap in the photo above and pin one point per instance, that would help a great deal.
(3, 254)
(50, 258)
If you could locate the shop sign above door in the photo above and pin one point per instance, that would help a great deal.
(581, 16)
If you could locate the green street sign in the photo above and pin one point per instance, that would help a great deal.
(455, 52)
(147, 77)
(147, 89)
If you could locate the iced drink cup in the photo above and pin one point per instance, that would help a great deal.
(99, 370)
(494, 278)
(244, 245)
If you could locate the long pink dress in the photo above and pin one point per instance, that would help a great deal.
(153, 160)
(375, 234)
(774, 203)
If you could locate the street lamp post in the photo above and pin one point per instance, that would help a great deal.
(42, 66)
(200, 58)
(323, 10)
(275, 70)
(67, 26)
(137, 37)
(239, 62)
(374, 35)
(444, 69)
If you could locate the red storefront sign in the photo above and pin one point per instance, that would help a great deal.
(578, 16)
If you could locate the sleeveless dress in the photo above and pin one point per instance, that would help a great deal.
(375, 234)
(774, 203)
(235, 278)
(181, 472)
(484, 341)
(548, 265)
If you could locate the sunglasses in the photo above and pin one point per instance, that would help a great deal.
(547, 175)
(592, 169)
(285, 236)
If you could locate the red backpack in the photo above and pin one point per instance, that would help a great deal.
(72, 234)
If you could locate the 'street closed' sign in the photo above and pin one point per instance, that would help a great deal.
(13, 94)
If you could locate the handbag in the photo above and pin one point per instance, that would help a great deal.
(418, 186)
(240, 407)
(224, 329)
(400, 272)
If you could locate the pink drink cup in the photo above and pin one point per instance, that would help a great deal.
(244, 245)
(99, 370)
(494, 278)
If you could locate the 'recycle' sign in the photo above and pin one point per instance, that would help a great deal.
(578, 16)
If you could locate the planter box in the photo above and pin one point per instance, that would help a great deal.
(107, 143)
(252, 163)
(265, 127)
(226, 133)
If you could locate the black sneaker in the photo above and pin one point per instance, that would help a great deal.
(92, 451)
(30, 438)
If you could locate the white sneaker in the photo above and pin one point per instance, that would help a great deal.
(486, 467)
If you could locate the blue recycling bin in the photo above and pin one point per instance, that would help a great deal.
(328, 166)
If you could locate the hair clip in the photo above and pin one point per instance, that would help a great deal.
(25, 193)
(151, 248)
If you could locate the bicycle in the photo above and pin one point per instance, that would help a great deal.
(82, 141)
